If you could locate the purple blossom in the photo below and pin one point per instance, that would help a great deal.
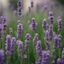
(27, 41)
(11, 30)
(13, 40)
(19, 30)
(8, 44)
(20, 48)
(50, 13)
(35, 38)
(50, 30)
(44, 24)
(1, 29)
(59, 41)
(59, 61)
(34, 24)
(1, 57)
(59, 25)
(38, 48)
(53, 62)
(19, 9)
(46, 35)
(32, 4)
(56, 41)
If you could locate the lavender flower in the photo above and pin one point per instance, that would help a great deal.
(13, 40)
(34, 24)
(20, 48)
(19, 30)
(50, 30)
(27, 41)
(8, 44)
(44, 24)
(35, 38)
(46, 35)
(56, 41)
(19, 7)
(32, 4)
(63, 54)
(47, 45)
(59, 25)
(1, 57)
(4, 23)
(1, 29)
(25, 57)
(11, 30)
(59, 41)
(59, 61)
(53, 62)
(38, 48)
(50, 13)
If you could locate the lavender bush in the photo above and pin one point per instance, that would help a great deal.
(29, 40)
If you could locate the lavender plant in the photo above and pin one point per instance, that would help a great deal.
(40, 44)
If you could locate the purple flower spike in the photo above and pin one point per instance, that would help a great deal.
(34, 24)
(11, 30)
(27, 41)
(38, 48)
(44, 24)
(50, 13)
(13, 40)
(27, 36)
(35, 39)
(8, 44)
(46, 35)
(59, 25)
(20, 48)
(19, 30)
(63, 54)
(1, 29)
(32, 3)
(50, 30)
(53, 62)
(59, 41)
(19, 9)
(1, 57)
(56, 41)
(59, 61)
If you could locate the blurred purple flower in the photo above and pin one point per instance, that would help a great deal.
(20, 48)
(1, 56)
(19, 30)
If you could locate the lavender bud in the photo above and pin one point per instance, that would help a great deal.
(34, 24)
(1, 57)
(50, 30)
(35, 39)
(8, 44)
(38, 48)
(1, 28)
(19, 30)
(46, 35)
(11, 30)
(51, 19)
(59, 41)
(59, 61)
(56, 41)
(13, 40)
(32, 4)
(59, 25)
(44, 24)
(25, 57)
(50, 13)
(20, 48)
(53, 62)
(27, 41)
